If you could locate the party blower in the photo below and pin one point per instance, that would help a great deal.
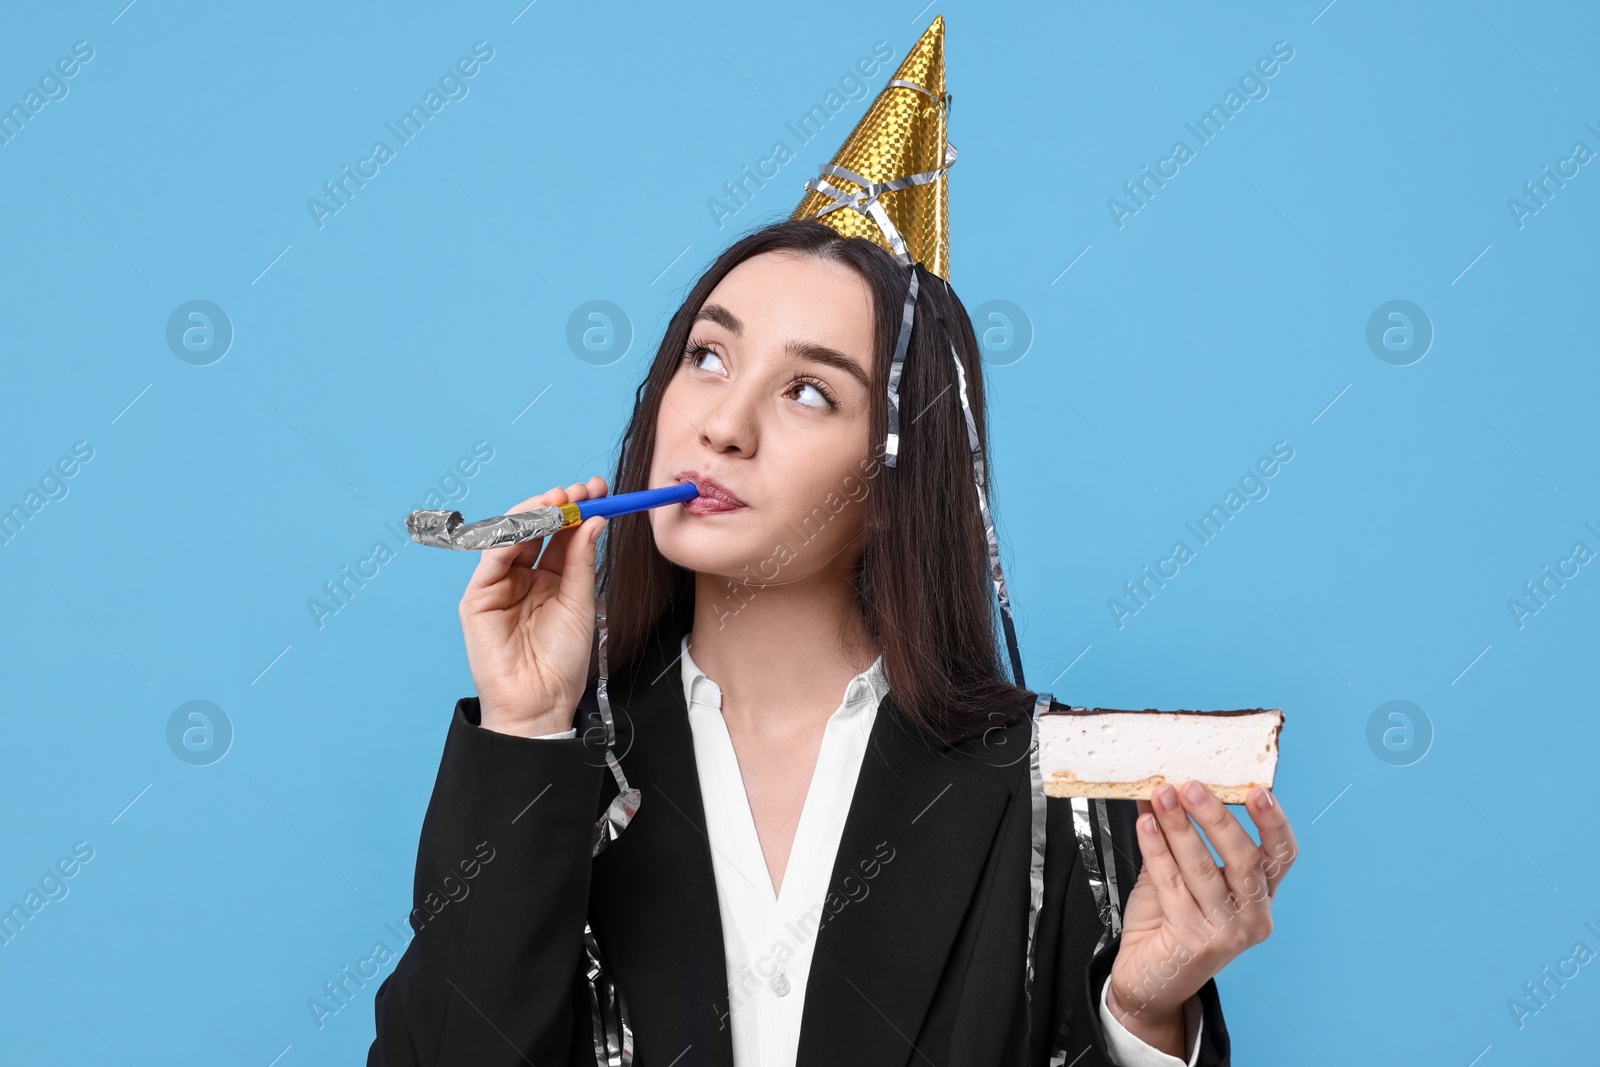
(444, 529)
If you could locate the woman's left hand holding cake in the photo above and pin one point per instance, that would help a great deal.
(1187, 917)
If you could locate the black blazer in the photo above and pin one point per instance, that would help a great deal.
(921, 962)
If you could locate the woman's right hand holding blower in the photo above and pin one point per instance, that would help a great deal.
(528, 622)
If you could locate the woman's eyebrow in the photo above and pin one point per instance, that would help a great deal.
(828, 357)
(722, 317)
(802, 350)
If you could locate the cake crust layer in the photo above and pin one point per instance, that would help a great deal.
(1063, 786)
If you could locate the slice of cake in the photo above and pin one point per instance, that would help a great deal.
(1124, 755)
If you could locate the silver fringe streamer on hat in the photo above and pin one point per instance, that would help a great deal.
(1036, 867)
(1101, 867)
(613, 1034)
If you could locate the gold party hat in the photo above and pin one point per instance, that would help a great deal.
(888, 177)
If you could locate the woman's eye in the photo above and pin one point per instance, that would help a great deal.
(698, 357)
(817, 401)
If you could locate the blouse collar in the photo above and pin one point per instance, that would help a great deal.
(869, 686)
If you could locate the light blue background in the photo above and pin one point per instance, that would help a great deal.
(370, 354)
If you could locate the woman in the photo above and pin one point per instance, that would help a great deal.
(806, 569)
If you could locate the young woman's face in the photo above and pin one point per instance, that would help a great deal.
(772, 402)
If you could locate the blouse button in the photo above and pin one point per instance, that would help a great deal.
(780, 984)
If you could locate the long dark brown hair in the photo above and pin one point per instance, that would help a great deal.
(923, 579)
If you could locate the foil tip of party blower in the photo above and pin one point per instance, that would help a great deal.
(445, 529)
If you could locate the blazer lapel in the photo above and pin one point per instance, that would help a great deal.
(924, 825)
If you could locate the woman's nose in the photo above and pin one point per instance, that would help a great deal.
(731, 421)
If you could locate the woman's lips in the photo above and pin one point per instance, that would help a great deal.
(714, 498)
(706, 505)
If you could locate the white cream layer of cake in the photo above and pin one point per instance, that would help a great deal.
(1126, 753)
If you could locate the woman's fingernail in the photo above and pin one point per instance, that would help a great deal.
(1196, 793)
(1167, 797)
(1266, 800)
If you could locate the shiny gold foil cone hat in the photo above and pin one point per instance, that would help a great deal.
(887, 184)
(887, 181)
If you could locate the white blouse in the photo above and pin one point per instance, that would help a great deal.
(768, 938)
